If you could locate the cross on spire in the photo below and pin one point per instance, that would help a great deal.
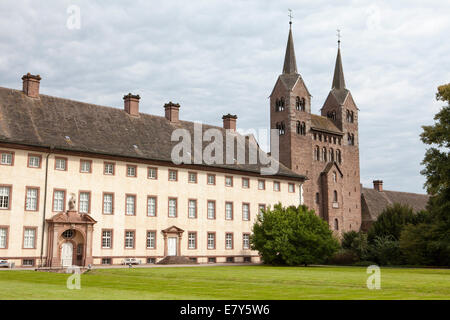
(290, 16)
(339, 37)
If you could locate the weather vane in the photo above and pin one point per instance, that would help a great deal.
(339, 37)
(290, 16)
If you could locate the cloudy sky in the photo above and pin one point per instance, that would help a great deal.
(217, 57)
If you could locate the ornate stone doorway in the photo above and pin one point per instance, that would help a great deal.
(69, 239)
(172, 241)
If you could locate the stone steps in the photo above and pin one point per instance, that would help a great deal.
(176, 260)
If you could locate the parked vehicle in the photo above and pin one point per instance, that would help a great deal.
(127, 261)
(5, 264)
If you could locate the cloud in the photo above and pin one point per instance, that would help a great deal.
(218, 57)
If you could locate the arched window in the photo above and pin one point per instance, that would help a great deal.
(320, 137)
(331, 115)
(302, 104)
(336, 224)
(317, 153)
(297, 103)
(297, 126)
(281, 104)
(280, 127)
(317, 197)
(324, 154)
(303, 129)
(335, 196)
(331, 155)
(338, 156)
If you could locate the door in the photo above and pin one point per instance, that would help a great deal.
(172, 246)
(66, 254)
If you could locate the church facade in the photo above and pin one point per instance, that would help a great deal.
(85, 184)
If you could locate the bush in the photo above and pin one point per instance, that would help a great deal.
(385, 251)
(292, 236)
(357, 243)
(344, 257)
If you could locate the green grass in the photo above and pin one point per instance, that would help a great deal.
(229, 282)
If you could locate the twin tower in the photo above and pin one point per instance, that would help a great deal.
(322, 147)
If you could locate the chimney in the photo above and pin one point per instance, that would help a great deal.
(172, 111)
(31, 85)
(131, 104)
(378, 185)
(229, 122)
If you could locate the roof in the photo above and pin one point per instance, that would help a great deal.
(290, 65)
(338, 78)
(374, 202)
(76, 126)
(321, 123)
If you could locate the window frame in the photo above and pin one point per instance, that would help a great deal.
(196, 208)
(135, 167)
(207, 240)
(89, 201)
(289, 187)
(156, 173)
(264, 184)
(195, 240)
(154, 240)
(208, 175)
(63, 200)
(6, 236)
(176, 207)
(279, 186)
(232, 240)
(125, 239)
(232, 182)
(113, 164)
(9, 195)
(37, 198)
(12, 153)
(66, 161)
(132, 195)
(151, 196)
(248, 205)
(34, 237)
(111, 237)
(243, 242)
(207, 209)
(81, 165)
(248, 182)
(189, 177)
(232, 210)
(172, 171)
(112, 203)
(35, 155)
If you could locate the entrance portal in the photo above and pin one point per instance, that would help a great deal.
(172, 246)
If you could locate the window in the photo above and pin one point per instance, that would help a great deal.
(211, 209)
(246, 211)
(317, 153)
(106, 260)
(228, 241)
(228, 210)
(247, 259)
(31, 202)
(338, 156)
(336, 224)
(131, 171)
(151, 260)
(192, 240)
(5, 197)
(29, 238)
(351, 139)
(28, 262)
(109, 168)
(281, 128)
(84, 205)
(211, 179)
(331, 155)
(108, 207)
(246, 241)
(261, 184)
(301, 128)
(211, 240)
(151, 239)
(228, 181)
(61, 164)
(276, 186)
(324, 154)
(152, 173)
(245, 183)
(335, 196)
(192, 208)
(317, 197)
(34, 161)
(129, 239)
(291, 187)
(279, 104)
(59, 197)
(192, 177)
(261, 209)
(334, 176)
(230, 259)
(130, 205)
(3, 238)
(173, 175)
(6, 158)
(85, 166)
(151, 206)
(172, 207)
(211, 260)
(107, 239)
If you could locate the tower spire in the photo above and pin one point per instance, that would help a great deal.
(338, 79)
(290, 65)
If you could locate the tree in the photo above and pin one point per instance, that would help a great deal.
(391, 222)
(357, 243)
(429, 242)
(292, 236)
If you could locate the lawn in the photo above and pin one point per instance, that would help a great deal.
(229, 282)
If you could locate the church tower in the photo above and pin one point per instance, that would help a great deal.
(324, 148)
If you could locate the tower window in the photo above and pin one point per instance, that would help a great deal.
(317, 198)
(300, 104)
(335, 196)
(331, 115)
(279, 104)
(336, 224)
(301, 128)
(281, 128)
